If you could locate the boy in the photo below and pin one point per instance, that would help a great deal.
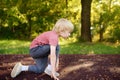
(44, 45)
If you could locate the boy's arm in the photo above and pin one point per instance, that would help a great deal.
(57, 64)
(53, 59)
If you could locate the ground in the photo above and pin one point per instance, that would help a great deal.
(72, 67)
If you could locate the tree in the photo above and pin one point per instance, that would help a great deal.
(25, 19)
(85, 20)
(105, 20)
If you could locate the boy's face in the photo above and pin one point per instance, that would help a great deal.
(65, 34)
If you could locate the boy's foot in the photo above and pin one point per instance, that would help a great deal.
(16, 70)
(49, 72)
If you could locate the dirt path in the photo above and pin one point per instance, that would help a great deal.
(72, 67)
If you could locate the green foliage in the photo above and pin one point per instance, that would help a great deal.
(25, 19)
(106, 14)
(116, 33)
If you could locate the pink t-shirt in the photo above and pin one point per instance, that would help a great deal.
(49, 37)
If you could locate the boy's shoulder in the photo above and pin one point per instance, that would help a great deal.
(49, 32)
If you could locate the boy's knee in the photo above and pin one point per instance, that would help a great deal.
(40, 70)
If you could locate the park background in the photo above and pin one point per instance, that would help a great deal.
(96, 22)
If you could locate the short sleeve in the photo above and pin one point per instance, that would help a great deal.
(53, 40)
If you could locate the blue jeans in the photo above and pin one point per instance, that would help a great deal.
(40, 56)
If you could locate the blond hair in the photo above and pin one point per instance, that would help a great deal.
(63, 25)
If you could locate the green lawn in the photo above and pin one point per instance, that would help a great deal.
(22, 47)
(14, 47)
(90, 48)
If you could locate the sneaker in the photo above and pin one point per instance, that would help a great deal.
(16, 70)
(49, 72)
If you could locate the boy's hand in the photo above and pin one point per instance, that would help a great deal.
(53, 76)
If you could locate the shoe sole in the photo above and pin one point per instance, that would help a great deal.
(16, 70)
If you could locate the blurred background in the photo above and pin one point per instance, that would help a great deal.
(95, 21)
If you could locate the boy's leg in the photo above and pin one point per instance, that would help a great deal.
(40, 56)
(40, 65)
(40, 51)
(43, 51)
(48, 69)
(57, 51)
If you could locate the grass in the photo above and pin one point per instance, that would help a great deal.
(14, 47)
(22, 47)
(90, 48)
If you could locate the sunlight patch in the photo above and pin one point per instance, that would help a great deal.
(115, 69)
(69, 69)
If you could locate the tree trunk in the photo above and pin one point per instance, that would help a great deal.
(101, 32)
(85, 20)
(29, 26)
